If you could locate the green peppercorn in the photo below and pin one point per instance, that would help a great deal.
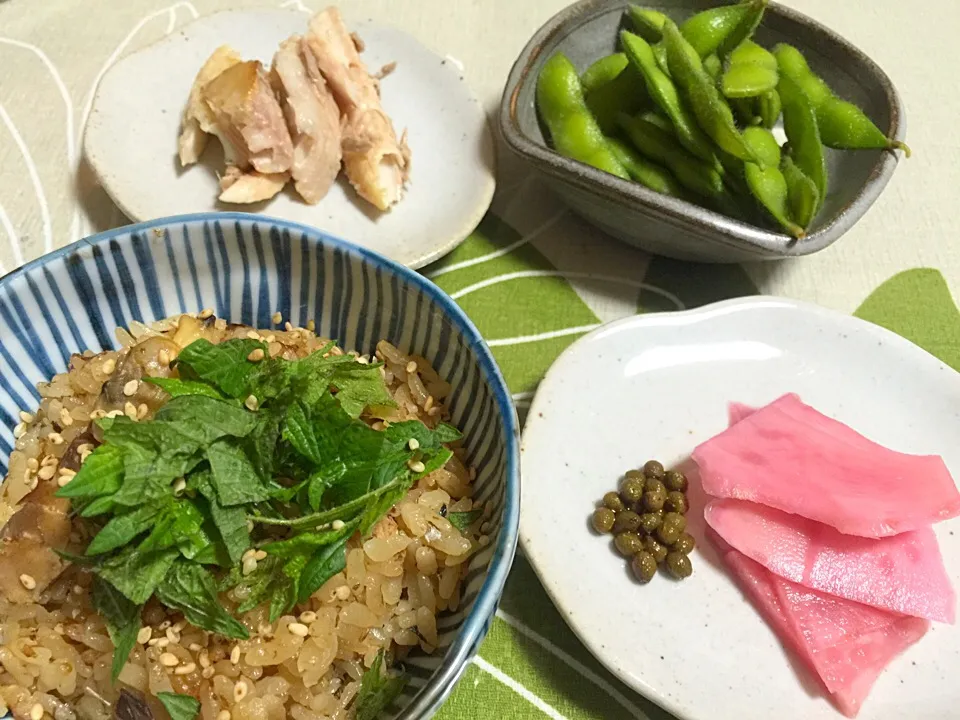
(677, 502)
(679, 565)
(627, 521)
(603, 519)
(658, 551)
(653, 469)
(644, 567)
(612, 500)
(628, 544)
(684, 544)
(631, 490)
(675, 480)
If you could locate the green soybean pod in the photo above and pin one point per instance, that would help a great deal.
(746, 110)
(744, 30)
(751, 71)
(803, 134)
(764, 146)
(573, 131)
(713, 67)
(707, 29)
(647, 23)
(711, 110)
(603, 71)
(769, 187)
(660, 146)
(645, 172)
(844, 126)
(791, 62)
(769, 108)
(664, 93)
(801, 193)
(625, 92)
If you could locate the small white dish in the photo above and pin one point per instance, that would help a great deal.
(131, 138)
(654, 386)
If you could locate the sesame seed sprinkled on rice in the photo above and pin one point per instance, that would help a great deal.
(168, 659)
(277, 318)
(36, 712)
(28, 582)
(130, 388)
(256, 355)
(26, 417)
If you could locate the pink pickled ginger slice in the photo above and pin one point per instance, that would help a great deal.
(847, 645)
(789, 456)
(903, 573)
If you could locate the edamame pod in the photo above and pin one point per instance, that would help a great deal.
(751, 71)
(803, 133)
(603, 71)
(608, 91)
(745, 29)
(711, 110)
(707, 29)
(647, 23)
(764, 146)
(713, 67)
(657, 144)
(664, 93)
(843, 125)
(801, 193)
(573, 131)
(769, 187)
(769, 108)
(645, 172)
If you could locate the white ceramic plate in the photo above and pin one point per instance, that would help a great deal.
(131, 139)
(655, 386)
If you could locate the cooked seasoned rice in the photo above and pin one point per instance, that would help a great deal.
(55, 653)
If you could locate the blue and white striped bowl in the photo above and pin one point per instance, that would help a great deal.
(245, 268)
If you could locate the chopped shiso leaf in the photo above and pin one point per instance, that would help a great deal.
(175, 503)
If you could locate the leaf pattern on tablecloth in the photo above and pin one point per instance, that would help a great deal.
(522, 305)
(922, 292)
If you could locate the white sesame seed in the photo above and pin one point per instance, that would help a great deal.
(162, 642)
(240, 690)
(256, 355)
(308, 616)
(142, 411)
(416, 466)
(209, 672)
(77, 590)
(251, 402)
(28, 582)
(34, 483)
(19, 431)
(130, 388)
(205, 313)
(288, 326)
(249, 553)
(169, 660)
(433, 412)
(411, 367)
(33, 465)
(66, 419)
(130, 410)
(249, 565)
(26, 417)
(164, 356)
(429, 403)
(220, 324)
(195, 647)
(173, 635)
(277, 318)
(185, 669)
(342, 592)
(164, 625)
(250, 525)
(65, 478)
(298, 629)
(179, 486)
(235, 654)
(36, 712)
(204, 659)
(55, 438)
(270, 338)
(223, 715)
(49, 460)
(109, 366)
(143, 637)
(414, 444)
(338, 525)
(311, 325)
(260, 555)
(253, 335)
(46, 472)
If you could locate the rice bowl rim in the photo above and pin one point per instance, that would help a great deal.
(476, 625)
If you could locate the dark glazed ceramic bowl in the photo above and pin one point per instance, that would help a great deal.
(588, 30)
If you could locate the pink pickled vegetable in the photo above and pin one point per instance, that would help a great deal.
(789, 456)
(903, 573)
(846, 644)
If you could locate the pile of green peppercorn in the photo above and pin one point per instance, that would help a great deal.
(647, 519)
(688, 111)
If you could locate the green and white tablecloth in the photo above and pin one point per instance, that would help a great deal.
(532, 276)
